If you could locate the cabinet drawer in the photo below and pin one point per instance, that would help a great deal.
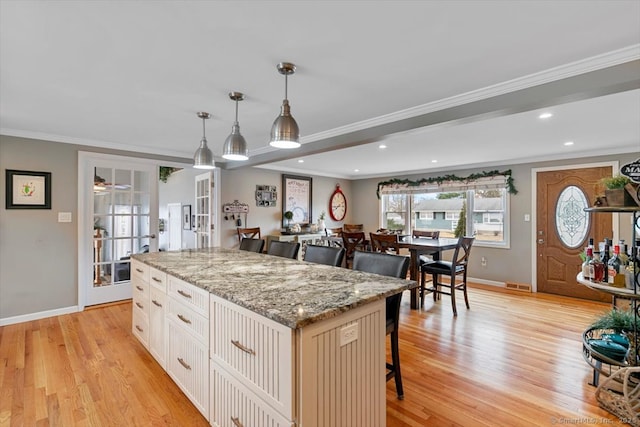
(255, 349)
(139, 271)
(194, 297)
(188, 366)
(186, 318)
(157, 321)
(140, 296)
(140, 326)
(232, 404)
(158, 279)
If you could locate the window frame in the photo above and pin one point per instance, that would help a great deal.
(410, 214)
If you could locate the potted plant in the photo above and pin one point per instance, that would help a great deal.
(614, 334)
(288, 216)
(321, 224)
(615, 191)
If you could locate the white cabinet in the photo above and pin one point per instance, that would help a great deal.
(140, 315)
(256, 350)
(188, 341)
(235, 405)
(188, 366)
(157, 325)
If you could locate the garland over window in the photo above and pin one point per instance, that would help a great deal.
(447, 183)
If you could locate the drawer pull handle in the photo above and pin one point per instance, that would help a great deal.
(138, 270)
(140, 305)
(184, 364)
(139, 328)
(155, 279)
(156, 303)
(184, 319)
(140, 288)
(236, 422)
(243, 348)
(183, 293)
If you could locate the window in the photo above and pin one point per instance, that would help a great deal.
(478, 212)
(452, 216)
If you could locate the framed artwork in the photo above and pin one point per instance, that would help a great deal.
(186, 217)
(296, 198)
(28, 190)
(266, 195)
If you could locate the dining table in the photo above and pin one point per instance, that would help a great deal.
(423, 246)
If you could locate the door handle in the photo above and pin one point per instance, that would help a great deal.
(540, 241)
(151, 236)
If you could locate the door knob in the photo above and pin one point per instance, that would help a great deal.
(540, 241)
(151, 236)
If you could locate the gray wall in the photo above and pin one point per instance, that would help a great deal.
(241, 184)
(514, 264)
(38, 255)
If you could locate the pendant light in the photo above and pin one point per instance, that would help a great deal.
(235, 147)
(203, 159)
(284, 132)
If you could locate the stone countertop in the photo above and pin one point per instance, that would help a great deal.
(293, 293)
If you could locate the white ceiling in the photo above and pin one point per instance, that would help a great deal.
(458, 82)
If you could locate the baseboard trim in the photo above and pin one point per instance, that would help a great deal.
(487, 282)
(39, 315)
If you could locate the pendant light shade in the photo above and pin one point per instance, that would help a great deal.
(235, 146)
(203, 159)
(285, 132)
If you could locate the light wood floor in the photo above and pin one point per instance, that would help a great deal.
(514, 359)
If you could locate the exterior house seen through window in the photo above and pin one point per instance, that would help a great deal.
(482, 213)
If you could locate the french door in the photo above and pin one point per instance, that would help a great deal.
(204, 210)
(118, 205)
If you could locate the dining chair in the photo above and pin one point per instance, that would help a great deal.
(382, 242)
(353, 241)
(284, 249)
(454, 268)
(394, 266)
(352, 227)
(337, 232)
(252, 245)
(430, 234)
(324, 255)
(251, 233)
(426, 234)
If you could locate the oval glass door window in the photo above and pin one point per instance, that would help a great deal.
(572, 222)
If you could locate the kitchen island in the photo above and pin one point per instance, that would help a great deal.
(254, 339)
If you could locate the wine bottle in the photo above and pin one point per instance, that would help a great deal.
(604, 257)
(586, 274)
(596, 268)
(613, 269)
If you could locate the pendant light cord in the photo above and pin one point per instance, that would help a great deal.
(236, 110)
(286, 86)
(204, 136)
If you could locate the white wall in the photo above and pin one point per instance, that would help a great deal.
(241, 184)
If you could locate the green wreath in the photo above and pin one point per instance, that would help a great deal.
(449, 178)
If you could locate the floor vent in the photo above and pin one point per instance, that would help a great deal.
(518, 287)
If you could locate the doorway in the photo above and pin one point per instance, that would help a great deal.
(118, 217)
(562, 228)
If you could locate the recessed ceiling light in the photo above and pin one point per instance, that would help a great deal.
(300, 161)
(356, 170)
(382, 146)
(568, 143)
(434, 161)
(545, 116)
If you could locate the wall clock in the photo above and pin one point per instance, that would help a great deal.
(338, 204)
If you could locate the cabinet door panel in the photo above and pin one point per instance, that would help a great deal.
(233, 404)
(188, 366)
(157, 320)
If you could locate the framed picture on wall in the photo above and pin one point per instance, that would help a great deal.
(296, 198)
(28, 190)
(186, 217)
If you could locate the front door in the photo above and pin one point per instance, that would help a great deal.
(563, 228)
(120, 215)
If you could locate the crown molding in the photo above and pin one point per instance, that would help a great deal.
(594, 63)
